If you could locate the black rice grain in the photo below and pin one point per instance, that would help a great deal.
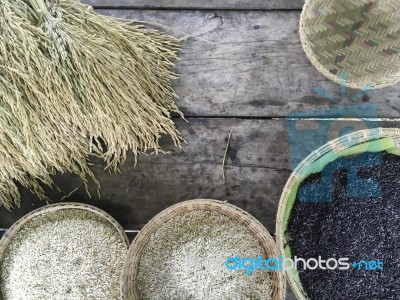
(360, 228)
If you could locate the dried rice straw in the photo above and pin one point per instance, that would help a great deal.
(72, 81)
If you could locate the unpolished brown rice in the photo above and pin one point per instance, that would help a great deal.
(174, 262)
(66, 254)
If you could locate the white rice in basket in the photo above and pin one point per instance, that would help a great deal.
(68, 254)
(174, 266)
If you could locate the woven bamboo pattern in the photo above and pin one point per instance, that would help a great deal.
(338, 145)
(17, 226)
(129, 282)
(13, 230)
(356, 42)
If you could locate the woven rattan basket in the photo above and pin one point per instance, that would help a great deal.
(129, 286)
(11, 233)
(373, 140)
(356, 43)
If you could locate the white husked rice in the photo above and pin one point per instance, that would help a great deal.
(66, 254)
(174, 266)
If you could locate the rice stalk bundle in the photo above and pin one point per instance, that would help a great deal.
(76, 83)
(38, 130)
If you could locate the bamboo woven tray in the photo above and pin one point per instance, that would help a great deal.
(10, 234)
(356, 43)
(129, 283)
(361, 141)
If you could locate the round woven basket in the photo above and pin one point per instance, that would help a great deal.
(355, 43)
(17, 226)
(130, 289)
(359, 142)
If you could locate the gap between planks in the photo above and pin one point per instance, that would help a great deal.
(361, 119)
(148, 8)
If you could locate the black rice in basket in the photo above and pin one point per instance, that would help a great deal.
(357, 222)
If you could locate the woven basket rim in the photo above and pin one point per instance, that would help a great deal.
(9, 235)
(320, 67)
(129, 290)
(360, 136)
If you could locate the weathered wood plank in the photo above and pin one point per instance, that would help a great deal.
(251, 145)
(257, 167)
(136, 195)
(252, 66)
(198, 5)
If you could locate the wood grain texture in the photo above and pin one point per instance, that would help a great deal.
(257, 167)
(253, 65)
(229, 79)
(244, 68)
(199, 5)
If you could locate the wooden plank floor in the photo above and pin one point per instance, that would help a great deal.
(197, 5)
(244, 71)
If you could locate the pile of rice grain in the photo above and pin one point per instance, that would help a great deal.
(358, 228)
(66, 254)
(172, 264)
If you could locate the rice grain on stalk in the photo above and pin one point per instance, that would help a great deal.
(39, 132)
(74, 80)
(119, 74)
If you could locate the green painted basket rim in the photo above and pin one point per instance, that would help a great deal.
(339, 145)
